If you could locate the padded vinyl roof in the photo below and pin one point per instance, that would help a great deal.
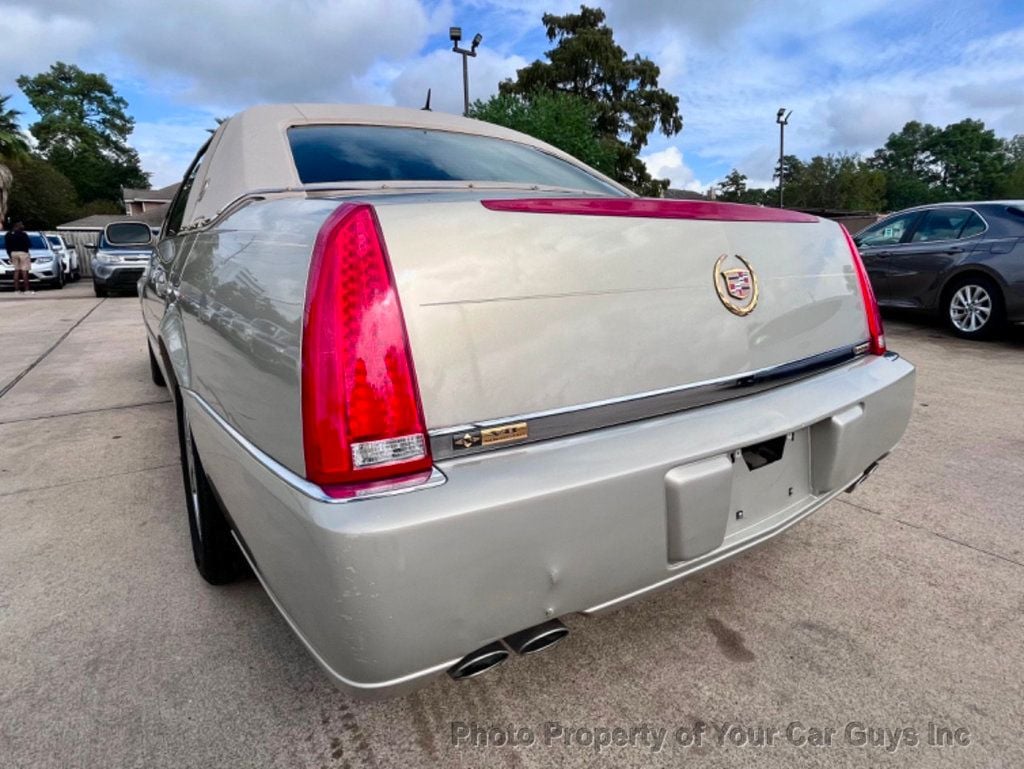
(250, 150)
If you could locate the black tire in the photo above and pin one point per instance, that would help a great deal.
(972, 307)
(217, 556)
(100, 290)
(58, 281)
(154, 369)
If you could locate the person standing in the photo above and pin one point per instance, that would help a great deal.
(17, 245)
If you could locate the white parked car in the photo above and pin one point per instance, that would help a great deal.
(46, 265)
(68, 257)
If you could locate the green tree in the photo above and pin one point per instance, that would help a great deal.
(733, 187)
(41, 196)
(588, 63)
(925, 164)
(83, 131)
(971, 160)
(908, 165)
(843, 182)
(792, 166)
(12, 145)
(1012, 183)
(560, 119)
(12, 140)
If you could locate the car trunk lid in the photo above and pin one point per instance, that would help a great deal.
(516, 308)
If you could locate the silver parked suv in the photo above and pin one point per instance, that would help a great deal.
(121, 257)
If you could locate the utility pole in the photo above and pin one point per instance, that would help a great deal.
(455, 34)
(782, 118)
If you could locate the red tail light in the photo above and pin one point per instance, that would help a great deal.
(875, 330)
(362, 420)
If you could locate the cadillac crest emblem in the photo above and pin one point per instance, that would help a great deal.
(736, 284)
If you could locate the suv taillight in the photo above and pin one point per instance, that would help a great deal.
(362, 420)
(874, 316)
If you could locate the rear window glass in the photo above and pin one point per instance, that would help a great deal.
(127, 234)
(356, 153)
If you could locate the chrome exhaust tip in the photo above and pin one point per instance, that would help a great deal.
(537, 638)
(478, 662)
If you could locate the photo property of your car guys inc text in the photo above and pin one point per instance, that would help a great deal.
(570, 383)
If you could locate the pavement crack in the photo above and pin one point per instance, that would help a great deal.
(925, 529)
(89, 480)
(85, 411)
(7, 388)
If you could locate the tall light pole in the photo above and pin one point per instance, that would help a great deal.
(782, 118)
(455, 33)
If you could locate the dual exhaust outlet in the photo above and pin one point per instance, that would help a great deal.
(533, 639)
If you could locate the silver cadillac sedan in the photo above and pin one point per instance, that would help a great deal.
(439, 384)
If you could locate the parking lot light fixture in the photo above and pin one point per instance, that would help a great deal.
(782, 118)
(455, 34)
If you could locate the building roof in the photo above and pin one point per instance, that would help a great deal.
(97, 222)
(162, 195)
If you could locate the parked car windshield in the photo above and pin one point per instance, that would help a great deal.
(37, 241)
(359, 153)
(55, 241)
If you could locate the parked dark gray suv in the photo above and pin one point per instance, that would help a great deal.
(965, 260)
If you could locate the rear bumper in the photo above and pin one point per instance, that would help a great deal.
(388, 591)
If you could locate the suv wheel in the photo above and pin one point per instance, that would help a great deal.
(100, 290)
(974, 307)
(216, 553)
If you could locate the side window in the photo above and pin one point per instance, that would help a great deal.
(887, 232)
(975, 226)
(176, 211)
(942, 224)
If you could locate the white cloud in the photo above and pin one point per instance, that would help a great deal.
(233, 53)
(32, 40)
(669, 164)
(168, 147)
(441, 71)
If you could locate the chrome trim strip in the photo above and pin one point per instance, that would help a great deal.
(327, 189)
(557, 423)
(299, 483)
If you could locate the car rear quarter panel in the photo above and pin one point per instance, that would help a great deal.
(242, 294)
(1003, 260)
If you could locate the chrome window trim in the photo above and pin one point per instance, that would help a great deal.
(558, 423)
(326, 190)
(297, 482)
(927, 211)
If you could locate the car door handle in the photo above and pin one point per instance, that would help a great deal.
(955, 250)
(882, 254)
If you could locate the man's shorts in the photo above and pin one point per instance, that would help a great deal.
(20, 260)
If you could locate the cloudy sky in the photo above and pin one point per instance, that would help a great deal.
(852, 71)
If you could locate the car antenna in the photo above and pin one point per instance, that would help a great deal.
(426, 107)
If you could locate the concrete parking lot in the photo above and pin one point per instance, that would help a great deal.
(900, 607)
